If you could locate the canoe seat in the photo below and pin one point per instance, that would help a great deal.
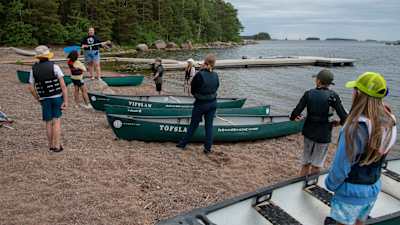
(275, 214)
(395, 176)
(320, 193)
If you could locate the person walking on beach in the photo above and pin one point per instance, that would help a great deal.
(364, 142)
(77, 69)
(190, 71)
(158, 72)
(317, 129)
(48, 87)
(91, 45)
(204, 88)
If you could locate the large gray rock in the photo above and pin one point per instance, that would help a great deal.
(142, 47)
(160, 44)
(187, 45)
(172, 45)
(98, 86)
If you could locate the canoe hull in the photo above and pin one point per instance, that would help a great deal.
(133, 111)
(23, 77)
(123, 81)
(130, 128)
(290, 200)
(99, 101)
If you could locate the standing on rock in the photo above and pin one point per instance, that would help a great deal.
(204, 88)
(91, 45)
(158, 72)
(48, 87)
(317, 130)
(190, 71)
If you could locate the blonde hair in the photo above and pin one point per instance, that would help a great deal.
(373, 109)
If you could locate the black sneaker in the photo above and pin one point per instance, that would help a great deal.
(58, 149)
(207, 151)
(181, 146)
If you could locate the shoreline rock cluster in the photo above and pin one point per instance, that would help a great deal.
(172, 46)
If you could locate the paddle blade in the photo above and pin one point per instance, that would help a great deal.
(70, 49)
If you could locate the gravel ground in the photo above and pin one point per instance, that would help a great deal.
(99, 180)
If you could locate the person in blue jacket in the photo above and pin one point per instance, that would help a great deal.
(365, 140)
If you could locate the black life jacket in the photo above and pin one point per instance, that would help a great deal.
(74, 71)
(187, 73)
(46, 82)
(318, 105)
(209, 87)
(367, 174)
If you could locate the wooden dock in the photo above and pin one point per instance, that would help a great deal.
(230, 63)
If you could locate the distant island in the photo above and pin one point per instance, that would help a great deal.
(313, 39)
(340, 39)
(259, 36)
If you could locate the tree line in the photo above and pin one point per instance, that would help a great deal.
(126, 22)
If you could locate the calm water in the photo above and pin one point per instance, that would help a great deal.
(282, 87)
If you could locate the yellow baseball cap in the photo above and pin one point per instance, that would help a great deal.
(370, 83)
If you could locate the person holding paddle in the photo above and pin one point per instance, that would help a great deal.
(91, 45)
(204, 88)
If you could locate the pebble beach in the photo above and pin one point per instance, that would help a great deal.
(100, 180)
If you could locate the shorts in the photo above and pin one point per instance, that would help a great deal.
(78, 83)
(51, 108)
(347, 213)
(158, 86)
(92, 56)
(314, 153)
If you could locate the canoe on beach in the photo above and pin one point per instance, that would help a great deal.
(300, 201)
(134, 111)
(113, 81)
(98, 100)
(226, 128)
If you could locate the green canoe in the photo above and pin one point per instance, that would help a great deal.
(226, 128)
(133, 111)
(129, 80)
(164, 101)
(23, 77)
(299, 201)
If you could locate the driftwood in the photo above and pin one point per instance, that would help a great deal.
(23, 52)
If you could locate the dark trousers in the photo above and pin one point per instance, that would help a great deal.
(208, 110)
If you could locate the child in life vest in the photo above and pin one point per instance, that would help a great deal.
(365, 140)
(77, 68)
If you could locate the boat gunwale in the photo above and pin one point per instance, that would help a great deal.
(107, 106)
(201, 213)
(143, 118)
(135, 96)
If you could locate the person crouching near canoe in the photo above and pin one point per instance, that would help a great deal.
(48, 87)
(317, 129)
(364, 142)
(204, 88)
(77, 68)
(158, 72)
(190, 71)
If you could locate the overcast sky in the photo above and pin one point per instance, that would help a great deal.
(294, 19)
